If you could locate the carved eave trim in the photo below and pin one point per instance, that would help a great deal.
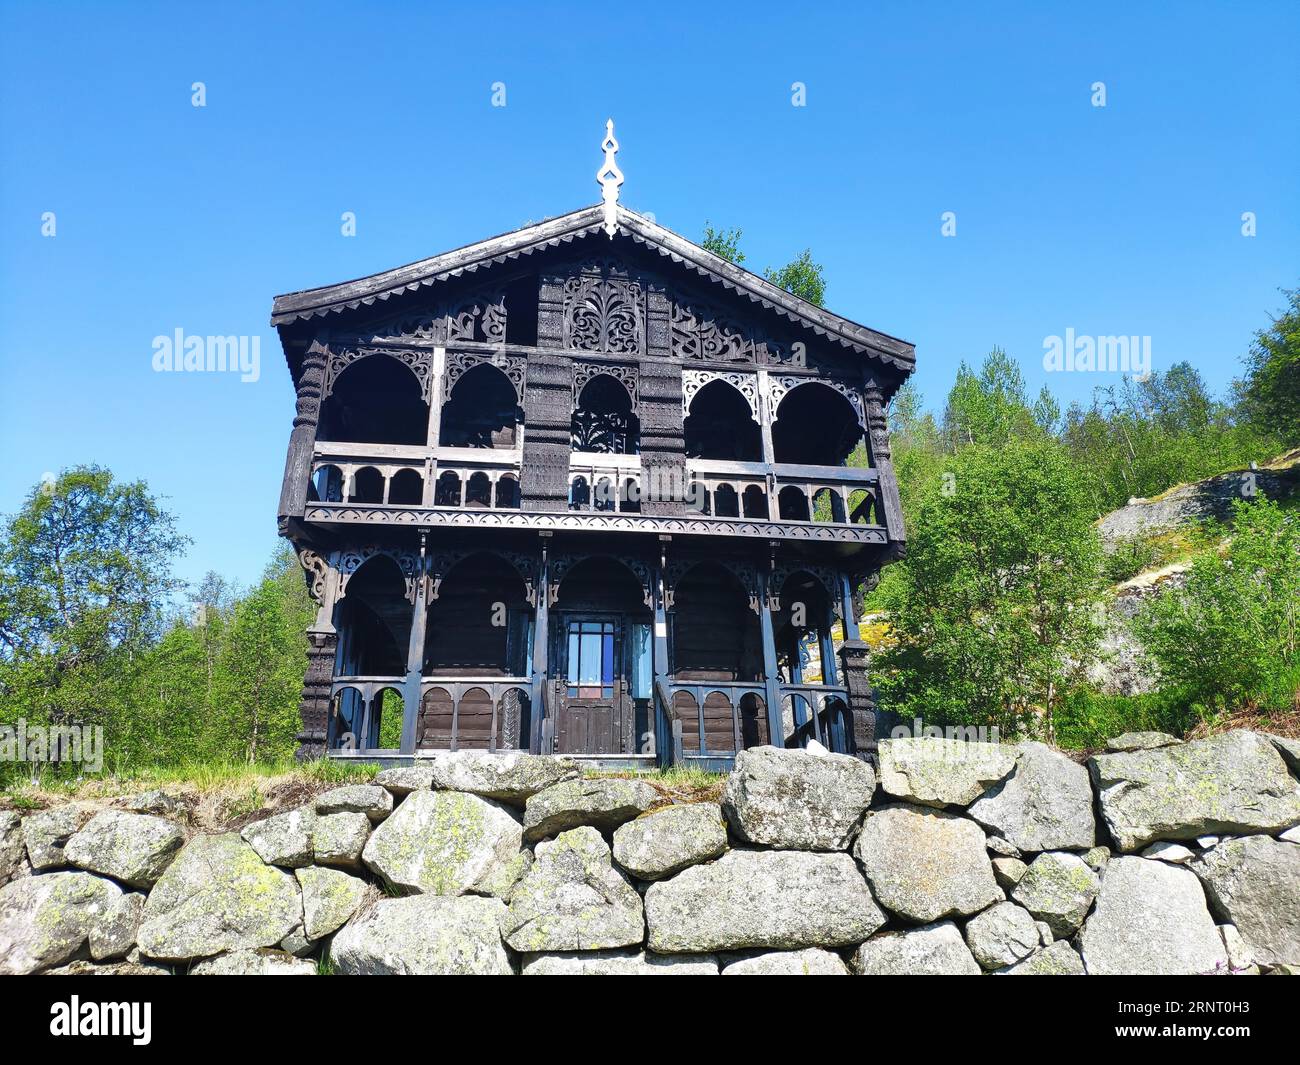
(589, 221)
(567, 521)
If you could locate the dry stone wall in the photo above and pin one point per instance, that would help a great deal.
(1157, 857)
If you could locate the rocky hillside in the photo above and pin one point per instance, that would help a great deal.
(1160, 857)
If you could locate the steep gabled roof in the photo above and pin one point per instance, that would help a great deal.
(581, 225)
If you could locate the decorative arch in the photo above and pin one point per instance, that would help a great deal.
(816, 422)
(744, 383)
(561, 566)
(483, 406)
(407, 563)
(376, 396)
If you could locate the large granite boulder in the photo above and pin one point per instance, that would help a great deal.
(669, 840)
(443, 843)
(424, 935)
(284, 839)
(1002, 935)
(797, 800)
(369, 799)
(574, 899)
(810, 962)
(1254, 883)
(511, 777)
(779, 900)
(1235, 782)
(401, 780)
(1151, 919)
(113, 934)
(926, 864)
(1055, 959)
(82, 967)
(261, 962)
(339, 839)
(1141, 741)
(329, 899)
(619, 963)
(602, 804)
(46, 920)
(1289, 750)
(13, 851)
(1058, 888)
(1045, 805)
(218, 896)
(931, 950)
(131, 848)
(47, 832)
(942, 772)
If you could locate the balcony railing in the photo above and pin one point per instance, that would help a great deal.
(605, 483)
(842, 495)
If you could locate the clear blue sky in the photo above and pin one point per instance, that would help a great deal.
(1122, 220)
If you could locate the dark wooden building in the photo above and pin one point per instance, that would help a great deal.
(585, 488)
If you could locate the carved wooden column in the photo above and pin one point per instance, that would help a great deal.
(771, 677)
(302, 439)
(411, 688)
(878, 440)
(541, 646)
(548, 409)
(663, 455)
(855, 657)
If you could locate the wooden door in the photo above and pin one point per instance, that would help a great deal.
(593, 703)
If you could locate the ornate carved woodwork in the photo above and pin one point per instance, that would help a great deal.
(604, 309)
(744, 383)
(515, 367)
(780, 387)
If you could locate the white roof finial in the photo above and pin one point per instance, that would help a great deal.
(610, 177)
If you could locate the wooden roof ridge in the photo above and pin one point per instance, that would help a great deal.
(585, 222)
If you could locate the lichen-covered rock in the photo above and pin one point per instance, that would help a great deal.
(218, 896)
(500, 883)
(46, 920)
(1255, 884)
(669, 840)
(1055, 959)
(926, 864)
(47, 832)
(13, 851)
(1002, 935)
(284, 839)
(297, 943)
(1058, 888)
(778, 900)
(511, 777)
(443, 843)
(1235, 782)
(931, 950)
(998, 845)
(1151, 919)
(619, 963)
(81, 967)
(1289, 750)
(1141, 741)
(602, 804)
(797, 800)
(263, 962)
(1008, 871)
(157, 802)
(401, 780)
(1045, 805)
(131, 848)
(339, 839)
(1165, 851)
(942, 772)
(424, 935)
(809, 962)
(329, 899)
(113, 935)
(1096, 858)
(574, 899)
(369, 799)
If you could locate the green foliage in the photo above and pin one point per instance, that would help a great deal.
(1229, 637)
(1271, 389)
(1085, 720)
(86, 587)
(992, 607)
(802, 277)
(723, 242)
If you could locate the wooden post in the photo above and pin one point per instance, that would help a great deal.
(665, 746)
(541, 723)
(771, 679)
(411, 692)
(302, 440)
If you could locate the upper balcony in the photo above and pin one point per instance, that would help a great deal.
(791, 463)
